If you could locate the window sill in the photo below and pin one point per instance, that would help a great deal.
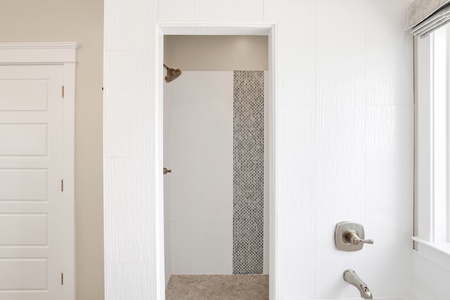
(438, 253)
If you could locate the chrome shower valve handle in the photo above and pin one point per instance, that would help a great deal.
(351, 236)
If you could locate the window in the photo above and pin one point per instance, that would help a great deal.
(441, 131)
(433, 141)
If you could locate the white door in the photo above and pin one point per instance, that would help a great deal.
(31, 157)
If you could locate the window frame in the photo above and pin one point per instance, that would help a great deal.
(432, 215)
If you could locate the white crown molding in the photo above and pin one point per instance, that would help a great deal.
(40, 45)
(32, 53)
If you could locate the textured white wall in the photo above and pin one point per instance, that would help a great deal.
(344, 129)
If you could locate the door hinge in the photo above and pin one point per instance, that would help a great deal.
(62, 278)
(62, 92)
(62, 185)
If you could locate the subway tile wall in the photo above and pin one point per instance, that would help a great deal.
(344, 127)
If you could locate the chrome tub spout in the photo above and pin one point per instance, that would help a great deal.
(351, 277)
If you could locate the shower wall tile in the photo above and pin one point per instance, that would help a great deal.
(389, 227)
(296, 53)
(190, 234)
(296, 131)
(172, 252)
(190, 261)
(300, 86)
(339, 26)
(218, 253)
(297, 262)
(385, 25)
(293, 15)
(341, 182)
(124, 22)
(210, 11)
(219, 83)
(390, 182)
(129, 185)
(390, 156)
(128, 113)
(219, 208)
(298, 184)
(117, 287)
(201, 126)
(391, 131)
(342, 77)
(297, 157)
(200, 106)
(341, 122)
(389, 54)
(341, 130)
(389, 76)
(185, 204)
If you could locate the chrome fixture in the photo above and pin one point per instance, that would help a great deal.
(165, 171)
(172, 74)
(351, 277)
(349, 236)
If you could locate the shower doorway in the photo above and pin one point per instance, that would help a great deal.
(193, 80)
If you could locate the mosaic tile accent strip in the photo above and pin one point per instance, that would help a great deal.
(248, 172)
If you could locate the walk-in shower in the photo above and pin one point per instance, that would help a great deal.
(216, 218)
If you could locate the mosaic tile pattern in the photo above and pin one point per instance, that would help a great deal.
(248, 172)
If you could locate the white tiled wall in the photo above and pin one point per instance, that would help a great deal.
(199, 150)
(344, 132)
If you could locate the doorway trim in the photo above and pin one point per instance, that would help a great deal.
(262, 29)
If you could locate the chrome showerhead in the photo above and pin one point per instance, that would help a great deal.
(172, 74)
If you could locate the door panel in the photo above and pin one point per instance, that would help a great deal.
(23, 94)
(12, 273)
(12, 182)
(31, 157)
(24, 139)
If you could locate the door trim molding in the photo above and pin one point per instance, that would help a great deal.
(57, 54)
(265, 29)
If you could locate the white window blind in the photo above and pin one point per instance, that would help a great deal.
(425, 16)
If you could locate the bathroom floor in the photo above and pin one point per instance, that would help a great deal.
(218, 287)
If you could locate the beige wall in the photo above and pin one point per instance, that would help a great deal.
(74, 21)
(216, 52)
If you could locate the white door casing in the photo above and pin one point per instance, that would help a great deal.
(265, 29)
(37, 247)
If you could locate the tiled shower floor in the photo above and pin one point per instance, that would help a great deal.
(218, 287)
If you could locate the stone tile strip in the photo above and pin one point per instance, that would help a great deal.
(248, 172)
